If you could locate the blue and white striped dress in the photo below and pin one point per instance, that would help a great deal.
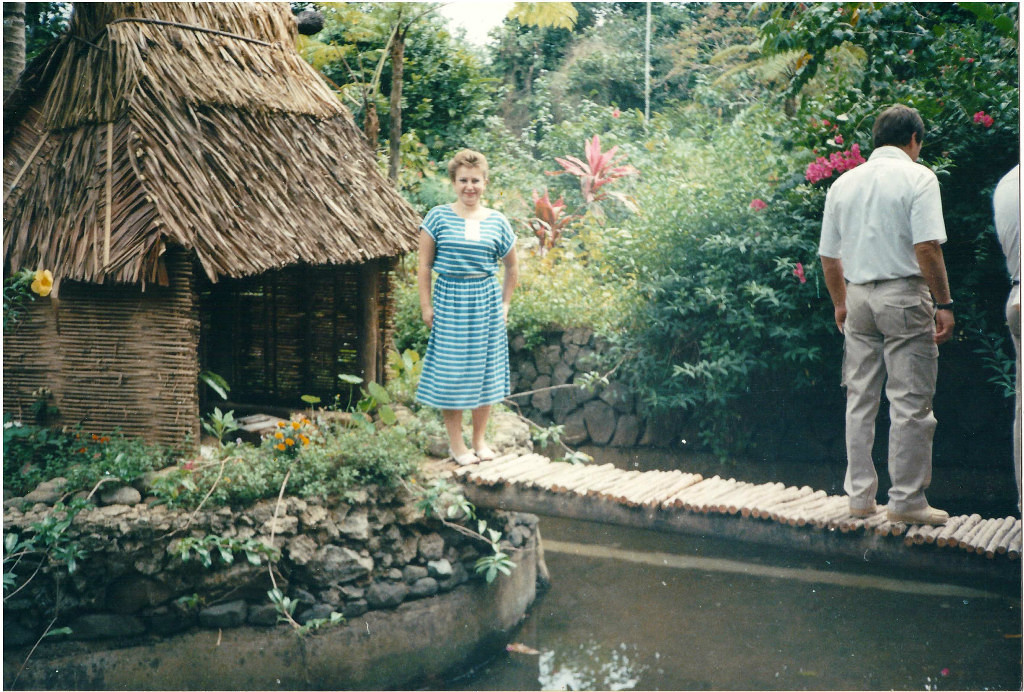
(466, 365)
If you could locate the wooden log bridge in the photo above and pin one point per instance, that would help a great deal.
(768, 513)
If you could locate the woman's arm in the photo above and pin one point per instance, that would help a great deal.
(511, 261)
(426, 263)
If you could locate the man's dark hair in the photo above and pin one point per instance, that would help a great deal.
(896, 126)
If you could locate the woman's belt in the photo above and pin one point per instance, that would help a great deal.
(457, 277)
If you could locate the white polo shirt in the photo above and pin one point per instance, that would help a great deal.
(1006, 204)
(876, 213)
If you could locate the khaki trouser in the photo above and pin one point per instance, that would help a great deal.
(1013, 321)
(889, 338)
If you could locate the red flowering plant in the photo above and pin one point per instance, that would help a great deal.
(983, 119)
(838, 162)
(824, 138)
(600, 169)
(549, 220)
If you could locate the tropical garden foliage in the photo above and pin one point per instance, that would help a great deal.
(703, 267)
(694, 249)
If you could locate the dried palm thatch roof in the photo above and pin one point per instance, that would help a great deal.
(196, 124)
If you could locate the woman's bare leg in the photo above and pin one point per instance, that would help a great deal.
(453, 424)
(480, 416)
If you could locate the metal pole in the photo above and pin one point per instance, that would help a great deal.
(647, 68)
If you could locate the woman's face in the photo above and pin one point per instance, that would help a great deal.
(470, 183)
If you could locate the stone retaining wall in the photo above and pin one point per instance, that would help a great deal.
(783, 423)
(374, 550)
(604, 416)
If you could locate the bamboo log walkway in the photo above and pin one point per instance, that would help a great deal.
(801, 517)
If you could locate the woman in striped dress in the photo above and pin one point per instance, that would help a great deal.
(466, 366)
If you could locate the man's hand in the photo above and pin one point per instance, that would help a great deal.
(944, 323)
(840, 317)
(832, 267)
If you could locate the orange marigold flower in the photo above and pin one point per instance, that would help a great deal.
(279, 435)
(280, 447)
(281, 424)
(296, 425)
(290, 442)
(305, 440)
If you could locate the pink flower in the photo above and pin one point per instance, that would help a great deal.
(944, 672)
(837, 162)
(758, 204)
(189, 465)
(616, 113)
(799, 272)
(825, 122)
(819, 170)
(984, 119)
(839, 139)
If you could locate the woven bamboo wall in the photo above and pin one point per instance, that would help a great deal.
(114, 357)
(285, 333)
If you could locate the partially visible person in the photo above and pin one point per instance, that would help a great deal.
(1006, 204)
(466, 364)
(881, 253)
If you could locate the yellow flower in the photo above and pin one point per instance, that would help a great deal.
(280, 447)
(279, 435)
(290, 442)
(281, 423)
(305, 440)
(296, 425)
(43, 283)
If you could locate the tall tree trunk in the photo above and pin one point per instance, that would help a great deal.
(395, 133)
(14, 43)
(371, 125)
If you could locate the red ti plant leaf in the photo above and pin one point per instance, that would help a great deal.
(549, 220)
(598, 170)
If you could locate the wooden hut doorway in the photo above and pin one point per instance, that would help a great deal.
(282, 334)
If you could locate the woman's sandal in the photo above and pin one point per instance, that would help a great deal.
(485, 454)
(464, 459)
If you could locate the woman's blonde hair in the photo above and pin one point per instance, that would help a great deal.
(468, 158)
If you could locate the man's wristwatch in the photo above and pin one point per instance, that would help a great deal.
(944, 306)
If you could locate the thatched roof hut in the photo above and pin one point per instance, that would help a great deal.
(183, 172)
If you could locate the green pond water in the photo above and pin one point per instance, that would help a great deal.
(635, 609)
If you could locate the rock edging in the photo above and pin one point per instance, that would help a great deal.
(371, 552)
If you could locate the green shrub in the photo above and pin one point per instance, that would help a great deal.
(33, 454)
(730, 294)
(335, 461)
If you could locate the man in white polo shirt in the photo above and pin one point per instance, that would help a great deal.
(881, 253)
(1006, 204)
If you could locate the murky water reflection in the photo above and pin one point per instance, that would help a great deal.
(632, 609)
